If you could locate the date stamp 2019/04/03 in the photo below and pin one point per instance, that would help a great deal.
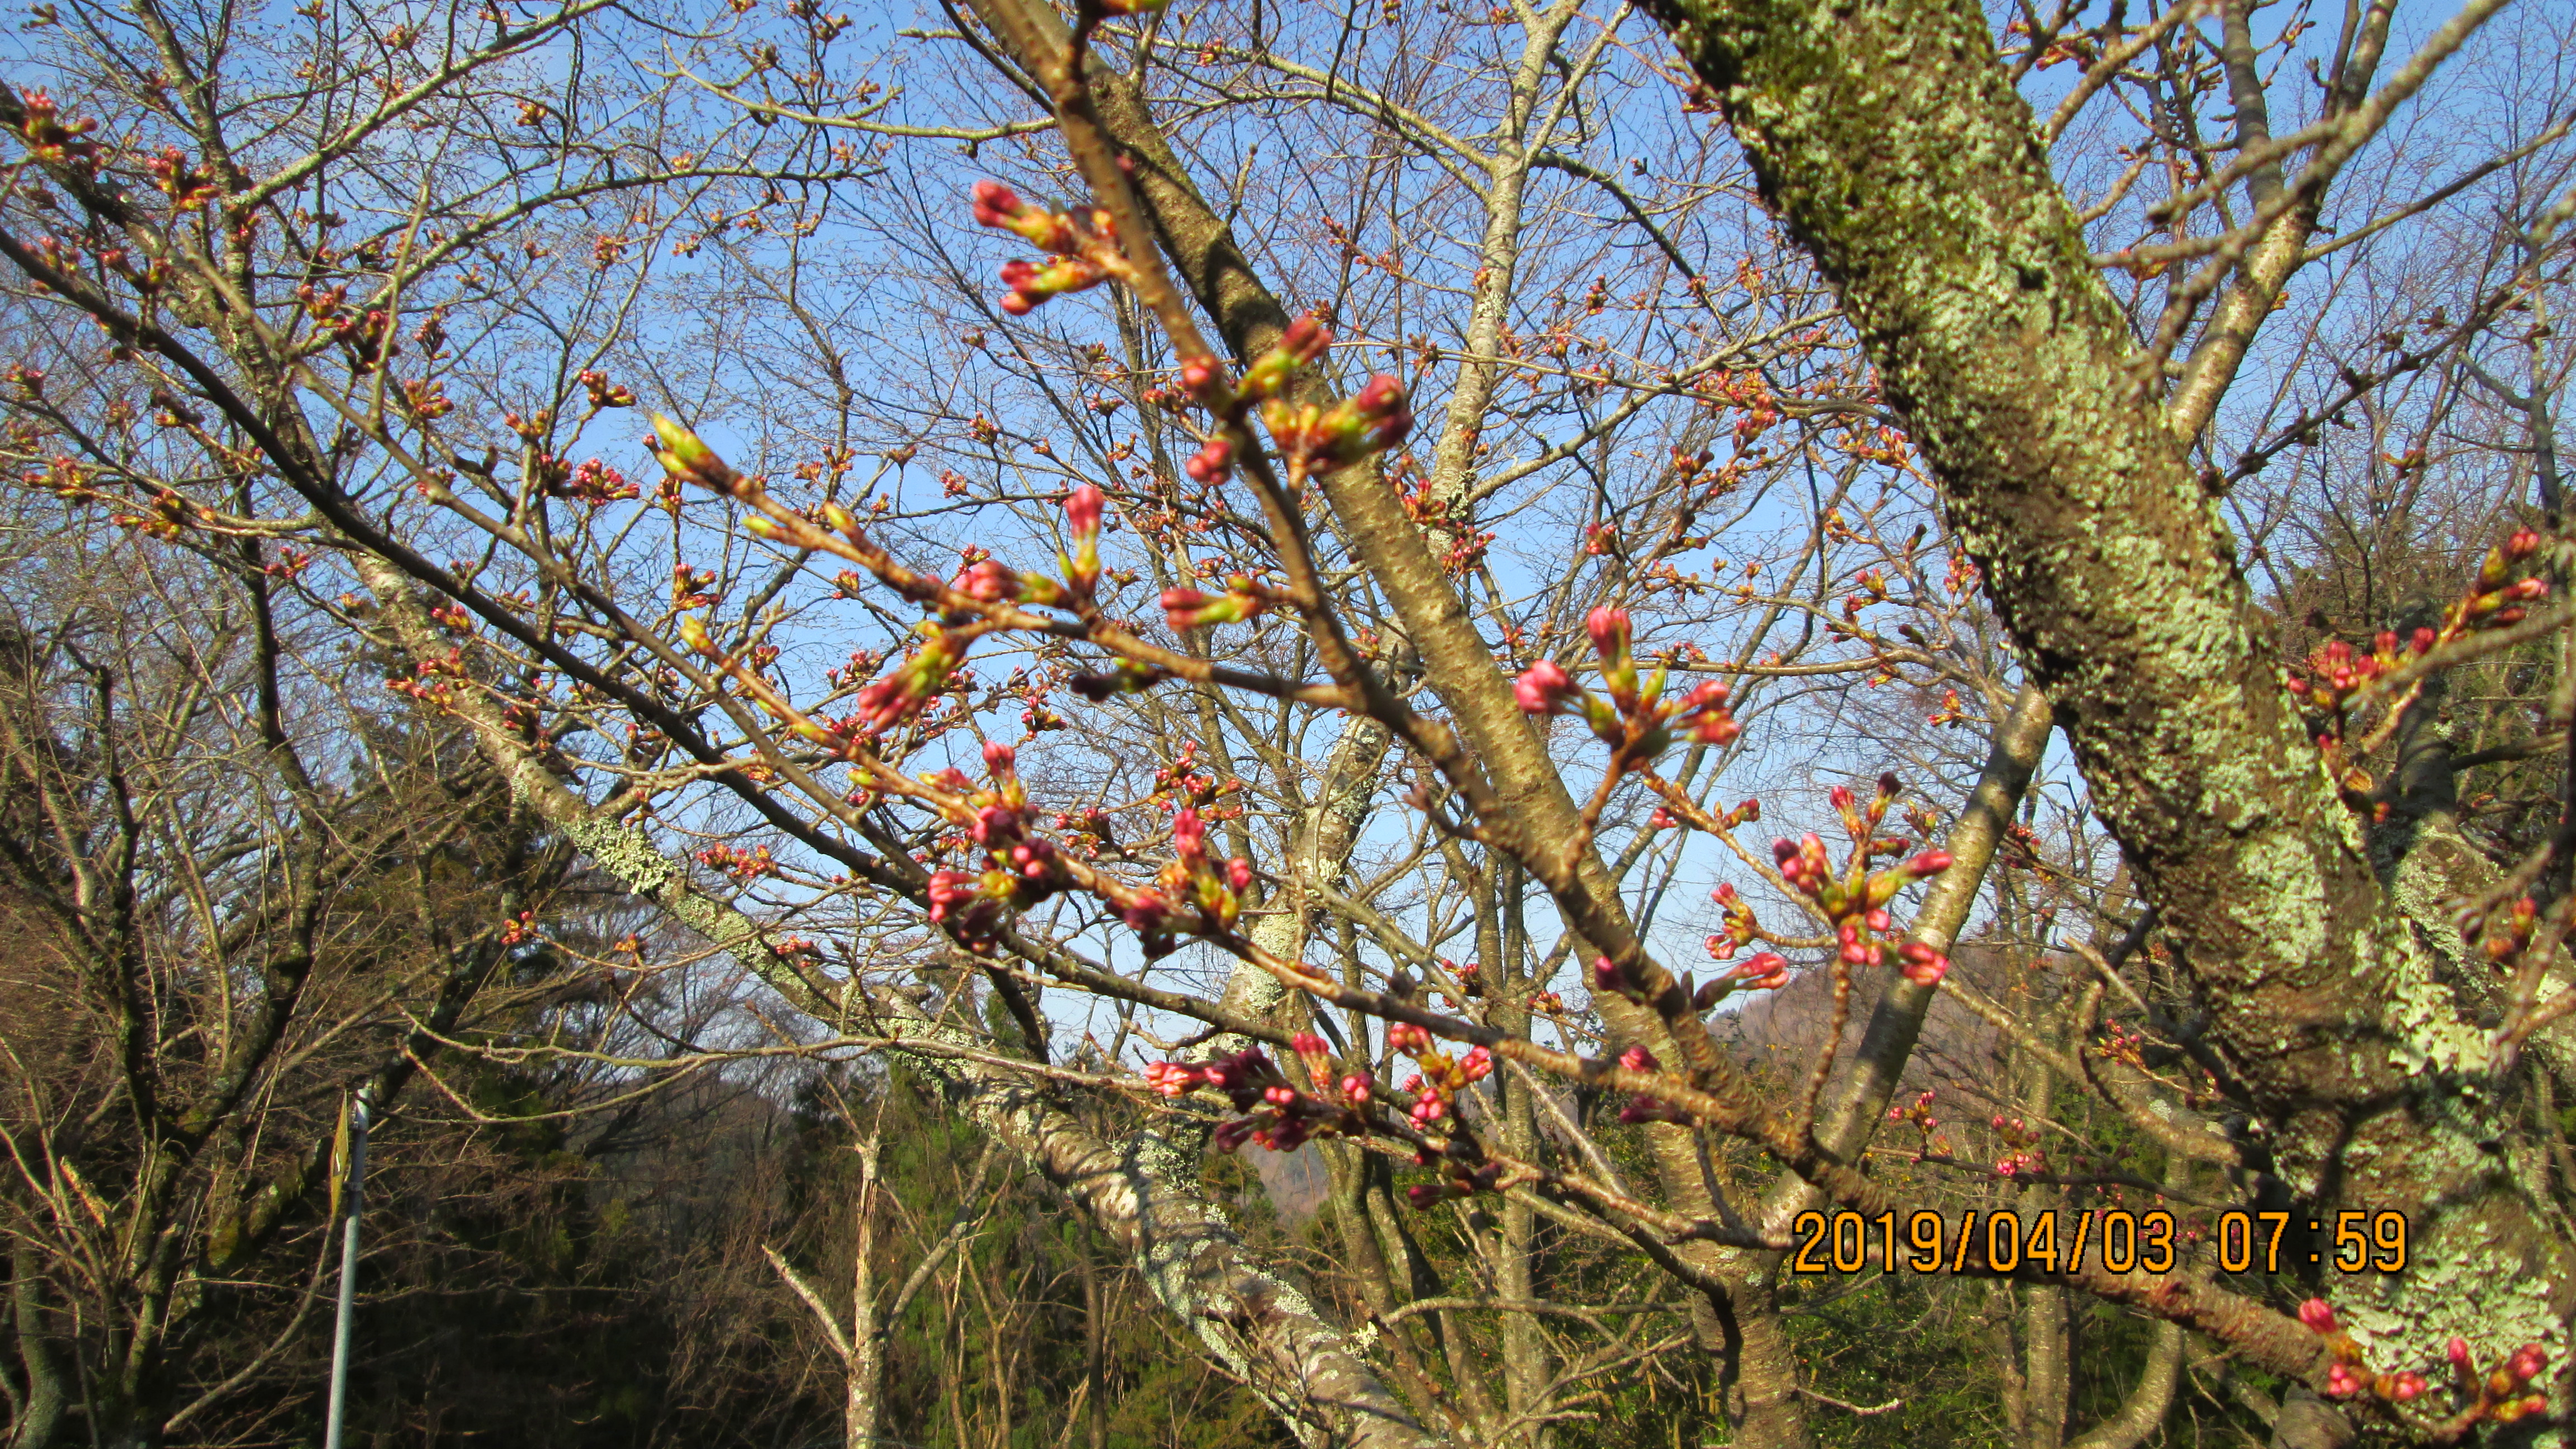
(2118, 1240)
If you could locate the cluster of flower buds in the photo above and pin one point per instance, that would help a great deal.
(1020, 869)
(603, 393)
(1763, 971)
(742, 865)
(2504, 1393)
(1185, 609)
(2508, 944)
(51, 139)
(1646, 1107)
(2500, 1396)
(885, 703)
(1855, 900)
(2119, 1044)
(2336, 674)
(1081, 252)
(2022, 1156)
(1315, 438)
(592, 482)
(1277, 1116)
(1217, 891)
(1741, 925)
(429, 682)
(1436, 1086)
(2495, 598)
(1470, 979)
(1636, 720)
(1918, 1115)
(188, 187)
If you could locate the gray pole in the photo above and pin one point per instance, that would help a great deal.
(348, 1270)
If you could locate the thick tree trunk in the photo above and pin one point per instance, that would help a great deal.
(47, 1393)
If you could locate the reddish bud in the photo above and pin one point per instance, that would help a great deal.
(1543, 688)
(1609, 630)
(2318, 1315)
(1082, 511)
(1210, 464)
(1922, 965)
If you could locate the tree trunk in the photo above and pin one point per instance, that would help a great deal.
(47, 1395)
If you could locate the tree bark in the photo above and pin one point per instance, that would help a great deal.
(47, 1395)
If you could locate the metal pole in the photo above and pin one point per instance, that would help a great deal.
(348, 1270)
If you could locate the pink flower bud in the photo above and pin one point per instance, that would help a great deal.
(2406, 1387)
(1638, 1059)
(989, 582)
(999, 759)
(2458, 1352)
(1189, 837)
(2527, 1362)
(1543, 687)
(2340, 1383)
(1477, 1064)
(1923, 965)
(1210, 464)
(994, 202)
(1930, 862)
(1082, 512)
(1202, 377)
(1305, 339)
(1383, 395)
(1238, 874)
(2318, 1315)
(1609, 630)
(1357, 1086)
(1307, 1044)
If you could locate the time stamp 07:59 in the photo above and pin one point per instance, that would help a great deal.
(2116, 1239)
